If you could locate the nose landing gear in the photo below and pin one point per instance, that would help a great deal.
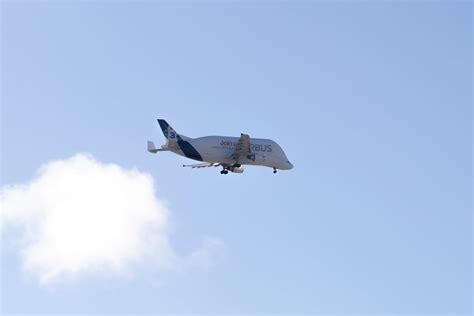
(274, 170)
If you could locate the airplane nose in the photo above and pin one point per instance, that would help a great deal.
(290, 164)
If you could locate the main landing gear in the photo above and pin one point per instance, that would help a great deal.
(274, 170)
(224, 170)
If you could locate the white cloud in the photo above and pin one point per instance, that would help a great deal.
(81, 216)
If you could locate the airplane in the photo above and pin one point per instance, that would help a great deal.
(231, 153)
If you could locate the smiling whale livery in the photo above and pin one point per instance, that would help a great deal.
(231, 153)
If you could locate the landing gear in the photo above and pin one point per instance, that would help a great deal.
(274, 170)
(224, 171)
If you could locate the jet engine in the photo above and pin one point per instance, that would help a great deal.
(237, 169)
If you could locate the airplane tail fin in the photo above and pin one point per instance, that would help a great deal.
(168, 131)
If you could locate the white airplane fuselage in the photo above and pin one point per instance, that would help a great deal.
(219, 149)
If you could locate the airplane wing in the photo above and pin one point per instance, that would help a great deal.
(242, 150)
(203, 165)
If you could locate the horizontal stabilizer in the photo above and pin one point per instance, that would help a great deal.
(151, 147)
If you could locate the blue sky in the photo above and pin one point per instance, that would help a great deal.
(371, 102)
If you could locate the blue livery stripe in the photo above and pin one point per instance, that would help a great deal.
(164, 127)
(188, 149)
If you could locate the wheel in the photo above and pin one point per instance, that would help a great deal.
(274, 170)
(222, 171)
(226, 172)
